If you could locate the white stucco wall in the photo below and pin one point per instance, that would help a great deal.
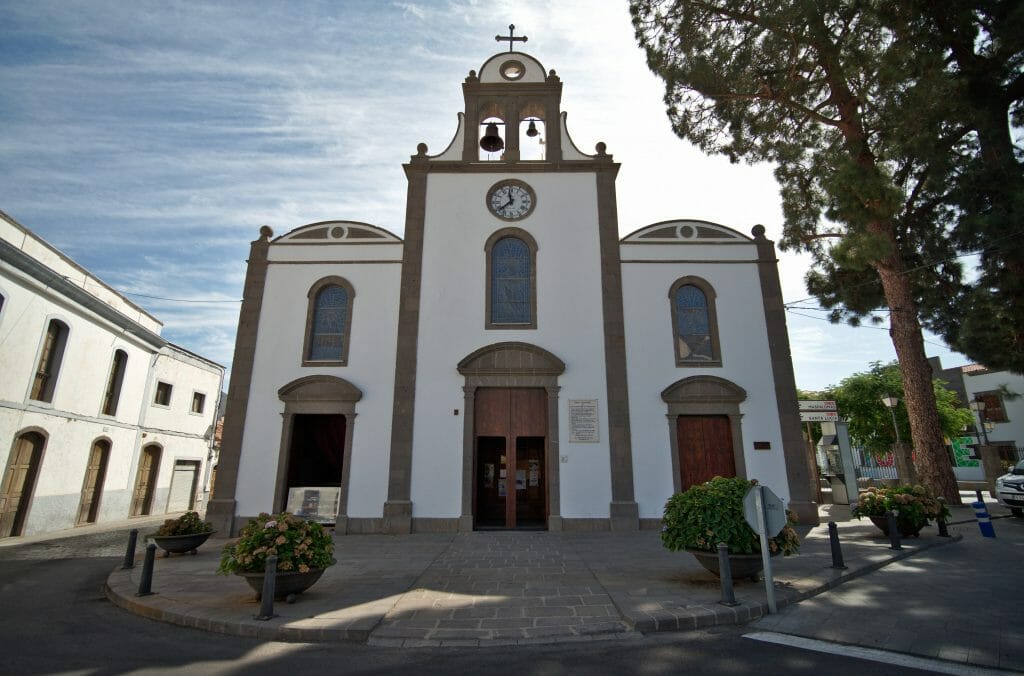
(569, 325)
(652, 368)
(73, 421)
(278, 361)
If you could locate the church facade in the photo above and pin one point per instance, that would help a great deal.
(511, 362)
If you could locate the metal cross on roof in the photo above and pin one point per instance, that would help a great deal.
(510, 38)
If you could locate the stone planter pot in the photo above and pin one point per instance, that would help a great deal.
(179, 544)
(287, 584)
(906, 530)
(741, 565)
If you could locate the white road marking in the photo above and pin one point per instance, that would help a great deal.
(873, 654)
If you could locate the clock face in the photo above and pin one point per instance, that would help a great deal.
(511, 200)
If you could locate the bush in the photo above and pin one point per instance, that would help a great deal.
(712, 512)
(188, 523)
(914, 506)
(298, 544)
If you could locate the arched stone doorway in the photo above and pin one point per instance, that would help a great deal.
(704, 429)
(510, 425)
(316, 443)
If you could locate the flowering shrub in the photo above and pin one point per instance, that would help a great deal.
(298, 544)
(712, 512)
(188, 523)
(913, 505)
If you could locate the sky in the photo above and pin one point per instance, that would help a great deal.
(149, 141)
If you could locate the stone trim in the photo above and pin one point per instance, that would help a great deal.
(221, 508)
(511, 364)
(710, 297)
(318, 395)
(798, 470)
(435, 525)
(597, 525)
(311, 295)
(704, 396)
(531, 244)
(397, 512)
(623, 510)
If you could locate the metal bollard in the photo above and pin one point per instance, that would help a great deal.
(837, 551)
(129, 555)
(146, 583)
(267, 596)
(977, 494)
(941, 522)
(984, 523)
(725, 576)
(894, 531)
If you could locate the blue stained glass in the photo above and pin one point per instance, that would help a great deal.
(510, 282)
(693, 324)
(330, 318)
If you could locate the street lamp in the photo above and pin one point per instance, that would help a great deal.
(890, 403)
(978, 406)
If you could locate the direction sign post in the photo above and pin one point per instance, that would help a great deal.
(766, 514)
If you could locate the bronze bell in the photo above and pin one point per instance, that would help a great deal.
(491, 142)
(531, 131)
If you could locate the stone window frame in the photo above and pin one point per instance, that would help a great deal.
(531, 244)
(710, 296)
(311, 295)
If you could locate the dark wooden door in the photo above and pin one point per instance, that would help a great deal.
(92, 487)
(18, 481)
(145, 481)
(705, 448)
(510, 428)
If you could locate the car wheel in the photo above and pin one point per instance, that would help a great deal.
(1017, 512)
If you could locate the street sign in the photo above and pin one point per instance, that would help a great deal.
(826, 405)
(819, 416)
(774, 511)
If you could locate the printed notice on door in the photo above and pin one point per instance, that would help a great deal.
(583, 421)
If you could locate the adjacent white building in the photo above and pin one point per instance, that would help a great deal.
(510, 363)
(101, 419)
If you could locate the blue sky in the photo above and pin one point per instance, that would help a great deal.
(150, 140)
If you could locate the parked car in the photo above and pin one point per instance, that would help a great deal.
(1010, 489)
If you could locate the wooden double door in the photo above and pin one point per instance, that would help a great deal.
(510, 437)
(705, 448)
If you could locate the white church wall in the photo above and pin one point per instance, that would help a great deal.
(569, 324)
(651, 360)
(371, 367)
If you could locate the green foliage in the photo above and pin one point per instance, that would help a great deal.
(914, 506)
(188, 523)
(859, 399)
(298, 544)
(712, 512)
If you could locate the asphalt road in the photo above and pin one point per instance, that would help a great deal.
(55, 619)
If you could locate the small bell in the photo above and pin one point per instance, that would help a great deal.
(531, 131)
(491, 142)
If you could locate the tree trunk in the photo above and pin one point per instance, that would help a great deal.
(930, 458)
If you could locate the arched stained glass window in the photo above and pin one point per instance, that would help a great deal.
(511, 263)
(694, 323)
(328, 332)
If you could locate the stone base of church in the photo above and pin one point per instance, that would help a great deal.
(398, 517)
(221, 513)
(806, 512)
(624, 516)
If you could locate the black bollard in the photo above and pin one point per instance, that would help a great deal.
(725, 576)
(146, 583)
(978, 494)
(837, 551)
(941, 521)
(894, 531)
(267, 596)
(129, 555)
